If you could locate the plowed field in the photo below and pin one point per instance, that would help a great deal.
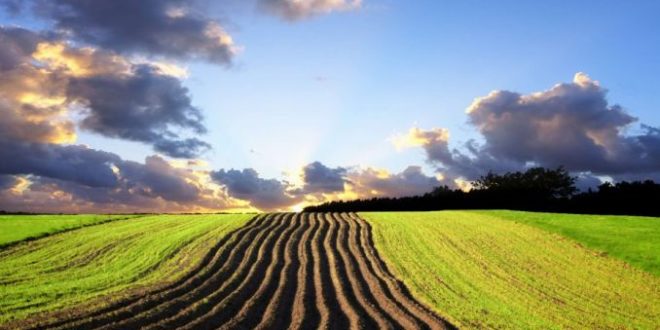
(278, 271)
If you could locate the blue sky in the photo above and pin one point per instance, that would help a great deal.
(337, 86)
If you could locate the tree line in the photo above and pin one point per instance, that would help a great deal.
(536, 189)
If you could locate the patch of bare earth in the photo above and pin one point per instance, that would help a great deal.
(280, 271)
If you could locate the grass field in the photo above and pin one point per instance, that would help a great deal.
(298, 270)
(14, 228)
(473, 269)
(479, 270)
(73, 267)
(635, 240)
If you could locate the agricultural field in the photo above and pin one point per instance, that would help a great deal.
(635, 240)
(14, 228)
(278, 270)
(110, 260)
(412, 270)
(479, 270)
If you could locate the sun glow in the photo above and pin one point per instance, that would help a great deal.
(81, 62)
(20, 186)
(417, 137)
(298, 207)
(63, 134)
(54, 55)
(41, 101)
(463, 184)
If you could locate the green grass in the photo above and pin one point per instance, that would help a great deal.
(92, 262)
(14, 228)
(635, 240)
(481, 271)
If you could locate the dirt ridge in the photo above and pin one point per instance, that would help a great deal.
(283, 270)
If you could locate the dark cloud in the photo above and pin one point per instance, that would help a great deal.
(17, 45)
(29, 94)
(44, 79)
(293, 10)
(186, 148)
(571, 125)
(321, 183)
(73, 178)
(142, 106)
(36, 197)
(69, 163)
(157, 178)
(410, 182)
(52, 195)
(169, 28)
(319, 178)
(7, 181)
(264, 194)
(13, 125)
(11, 6)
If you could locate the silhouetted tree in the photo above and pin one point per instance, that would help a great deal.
(536, 189)
(537, 181)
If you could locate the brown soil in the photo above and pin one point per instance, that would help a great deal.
(294, 270)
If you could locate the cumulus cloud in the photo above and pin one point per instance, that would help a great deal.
(41, 172)
(48, 195)
(43, 81)
(157, 178)
(264, 194)
(7, 181)
(274, 194)
(17, 44)
(299, 9)
(372, 182)
(362, 182)
(159, 183)
(434, 141)
(571, 125)
(320, 183)
(32, 98)
(35, 129)
(162, 28)
(78, 179)
(140, 106)
(102, 69)
(71, 163)
(319, 178)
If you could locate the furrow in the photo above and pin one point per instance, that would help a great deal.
(192, 292)
(279, 271)
(276, 278)
(305, 314)
(235, 270)
(376, 285)
(357, 282)
(145, 301)
(346, 298)
(245, 292)
(331, 316)
(397, 288)
(286, 306)
(388, 301)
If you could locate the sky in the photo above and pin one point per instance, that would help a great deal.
(195, 105)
